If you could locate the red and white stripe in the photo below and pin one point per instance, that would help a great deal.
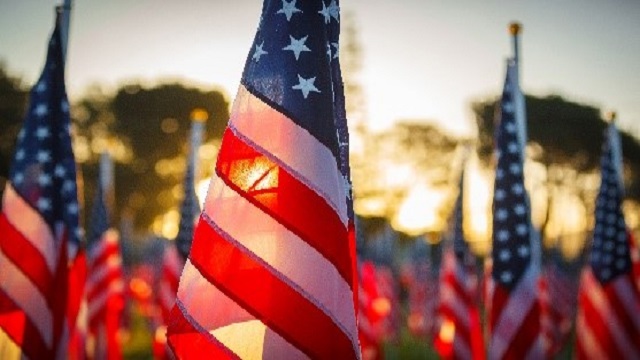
(558, 300)
(270, 250)
(105, 288)
(460, 332)
(33, 270)
(369, 316)
(608, 320)
(172, 265)
(515, 320)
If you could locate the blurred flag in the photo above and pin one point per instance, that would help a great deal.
(272, 248)
(460, 331)
(608, 321)
(39, 232)
(419, 278)
(371, 311)
(105, 287)
(558, 299)
(515, 311)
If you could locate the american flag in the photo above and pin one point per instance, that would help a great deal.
(272, 248)
(558, 299)
(608, 320)
(460, 330)
(370, 315)
(515, 312)
(419, 277)
(105, 284)
(39, 230)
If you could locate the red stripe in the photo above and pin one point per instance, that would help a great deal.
(187, 342)
(247, 281)
(599, 328)
(26, 257)
(17, 326)
(288, 201)
(107, 251)
(500, 298)
(620, 312)
(95, 289)
(526, 335)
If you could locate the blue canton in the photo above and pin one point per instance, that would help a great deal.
(43, 171)
(294, 65)
(511, 251)
(610, 256)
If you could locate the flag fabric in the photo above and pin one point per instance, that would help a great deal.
(460, 330)
(370, 312)
(608, 320)
(558, 300)
(515, 311)
(273, 248)
(105, 284)
(39, 230)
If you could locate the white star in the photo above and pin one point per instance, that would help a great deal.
(506, 276)
(42, 132)
(608, 259)
(79, 232)
(510, 127)
(44, 179)
(64, 106)
(18, 178)
(59, 171)
(514, 169)
(306, 86)
(326, 13)
(505, 255)
(297, 46)
(41, 87)
(499, 173)
(517, 189)
(512, 147)
(288, 9)
(41, 110)
(44, 204)
(501, 214)
(519, 209)
(20, 154)
(502, 235)
(523, 251)
(334, 10)
(507, 107)
(72, 208)
(522, 229)
(329, 51)
(259, 52)
(43, 156)
(620, 250)
(500, 194)
(337, 46)
(68, 186)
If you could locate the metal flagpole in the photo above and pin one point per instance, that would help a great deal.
(65, 19)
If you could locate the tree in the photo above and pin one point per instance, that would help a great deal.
(148, 128)
(13, 103)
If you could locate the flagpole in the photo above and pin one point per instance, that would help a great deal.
(65, 19)
(515, 28)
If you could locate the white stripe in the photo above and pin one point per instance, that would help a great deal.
(195, 298)
(586, 339)
(112, 264)
(97, 303)
(167, 297)
(284, 251)
(107, 241)
(629, 300)
(30, 224)
(28, 297)
(598, 299)
(516, 309)
(461, 348)
(451, 300)
(298, 151)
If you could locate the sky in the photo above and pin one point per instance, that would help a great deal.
(422, 59)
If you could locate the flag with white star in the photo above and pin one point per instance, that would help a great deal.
(39, 216)
(274, 248)
(608, 321)
(515, 323)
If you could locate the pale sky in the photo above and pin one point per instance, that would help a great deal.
(423, 59)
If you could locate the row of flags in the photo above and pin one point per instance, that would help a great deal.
(272, 270)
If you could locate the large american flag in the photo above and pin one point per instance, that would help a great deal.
(515, 312)
(272, 249)
(460, 330)
(105, 283)
(39, 230)
(608, 321)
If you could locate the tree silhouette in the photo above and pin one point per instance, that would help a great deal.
(13, 101)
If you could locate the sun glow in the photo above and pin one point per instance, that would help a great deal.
(418, 212)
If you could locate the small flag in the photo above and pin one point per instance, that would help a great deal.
(608, 320)
(515, 311)
(460, 331)
(272, 249)
(39, 230)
